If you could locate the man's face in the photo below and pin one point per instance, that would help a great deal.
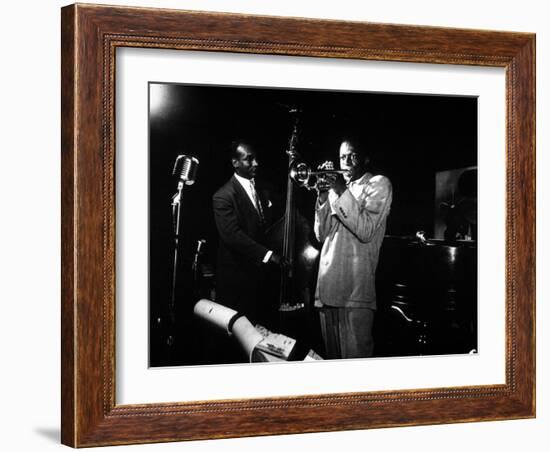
(351, 161)
(246, 165)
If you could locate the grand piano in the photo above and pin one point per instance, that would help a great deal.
(427, 297)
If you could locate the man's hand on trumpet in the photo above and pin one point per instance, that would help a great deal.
(326, 182)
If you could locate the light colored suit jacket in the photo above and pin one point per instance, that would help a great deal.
(351, 228)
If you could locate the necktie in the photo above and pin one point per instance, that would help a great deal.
(257, 200)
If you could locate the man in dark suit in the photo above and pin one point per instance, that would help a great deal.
(242, 212)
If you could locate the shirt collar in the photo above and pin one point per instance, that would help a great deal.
(243, 180)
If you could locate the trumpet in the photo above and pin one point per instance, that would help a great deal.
(302, 174)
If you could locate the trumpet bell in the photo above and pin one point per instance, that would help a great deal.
(300, 173)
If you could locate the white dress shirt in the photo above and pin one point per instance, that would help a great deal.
(249, 188)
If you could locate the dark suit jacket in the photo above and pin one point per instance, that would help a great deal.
(240, 272)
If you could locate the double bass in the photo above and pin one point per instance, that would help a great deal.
(290, 237)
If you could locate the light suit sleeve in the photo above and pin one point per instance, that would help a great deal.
(323, 220)
(364, 216)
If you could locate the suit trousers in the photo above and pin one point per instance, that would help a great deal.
(347, 332)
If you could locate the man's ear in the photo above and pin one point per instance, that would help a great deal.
(366, 160)
(234, 163)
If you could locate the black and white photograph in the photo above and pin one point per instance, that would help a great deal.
(235, 225)
(303, 225)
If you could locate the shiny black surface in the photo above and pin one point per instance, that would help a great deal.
(427, 297)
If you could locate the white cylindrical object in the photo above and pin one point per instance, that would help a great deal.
(247, 335)
(215, 313)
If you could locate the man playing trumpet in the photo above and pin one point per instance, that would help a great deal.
(350, 222)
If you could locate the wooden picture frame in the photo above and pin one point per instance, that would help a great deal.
(90, 36)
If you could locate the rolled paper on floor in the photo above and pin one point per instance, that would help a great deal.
(312, 356)
(215, 314)
(247, 335)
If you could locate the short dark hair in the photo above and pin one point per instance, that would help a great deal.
(358, 142)
(235, 144)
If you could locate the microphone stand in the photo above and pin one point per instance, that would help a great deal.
(176, 211)
(185, 179)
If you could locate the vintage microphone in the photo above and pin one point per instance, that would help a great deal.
(187, 176)
(188, 172)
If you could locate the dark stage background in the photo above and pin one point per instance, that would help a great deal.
(411, 137)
